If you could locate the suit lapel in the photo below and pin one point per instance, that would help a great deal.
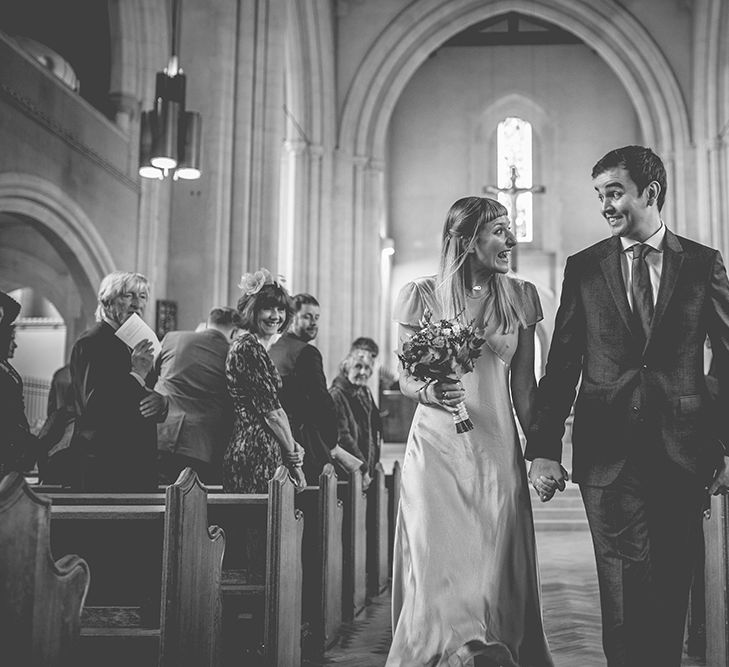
(613, 273)
(672, 261)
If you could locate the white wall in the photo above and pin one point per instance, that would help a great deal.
(443, 147)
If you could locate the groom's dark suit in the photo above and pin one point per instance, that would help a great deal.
(646, 436)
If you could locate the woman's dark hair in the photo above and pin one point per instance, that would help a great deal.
(271, 295)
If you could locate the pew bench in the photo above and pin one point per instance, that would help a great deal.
(261, 575)
(322, 556)
(40, 599)
(154, 596)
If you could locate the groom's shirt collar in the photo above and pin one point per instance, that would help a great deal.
(655, 241)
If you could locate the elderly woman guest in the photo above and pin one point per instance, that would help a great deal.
(358, 420)
(116, 428)
(261, 439)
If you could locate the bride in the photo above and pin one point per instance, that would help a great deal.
(465, 582)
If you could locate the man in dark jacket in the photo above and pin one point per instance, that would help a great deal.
(647, 442)
(304, 394)
(116, 427)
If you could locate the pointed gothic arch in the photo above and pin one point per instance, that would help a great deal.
(607, 27)
(402, 47)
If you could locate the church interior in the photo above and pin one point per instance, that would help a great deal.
(325, 141)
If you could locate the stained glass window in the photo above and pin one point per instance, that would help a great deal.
(514, 149)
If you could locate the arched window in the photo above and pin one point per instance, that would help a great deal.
(514, 170)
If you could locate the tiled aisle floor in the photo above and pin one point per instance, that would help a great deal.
(569, 599)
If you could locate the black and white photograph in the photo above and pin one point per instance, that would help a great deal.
(364, 333)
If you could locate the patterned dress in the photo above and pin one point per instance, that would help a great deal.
(254, 452)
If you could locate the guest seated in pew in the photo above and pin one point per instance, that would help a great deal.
(262, 438)
(191, 368)
(115, 438)
(358, 419)
(18, 447)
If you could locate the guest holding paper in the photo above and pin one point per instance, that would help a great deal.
(115, 439)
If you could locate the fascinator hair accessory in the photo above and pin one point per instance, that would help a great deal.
(251, 283)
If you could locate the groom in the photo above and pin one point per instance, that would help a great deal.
(648, 443)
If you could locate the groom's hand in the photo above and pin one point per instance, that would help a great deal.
(720, 484)
(547, 476)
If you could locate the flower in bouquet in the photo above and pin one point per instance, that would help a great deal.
(443, 350)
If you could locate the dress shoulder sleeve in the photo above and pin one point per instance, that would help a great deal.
(532, 305)
(413, 300)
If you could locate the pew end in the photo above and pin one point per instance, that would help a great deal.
(40, 600)
(192, 608)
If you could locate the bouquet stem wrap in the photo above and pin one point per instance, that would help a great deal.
(462, 420)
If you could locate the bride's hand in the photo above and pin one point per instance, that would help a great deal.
(449, 394)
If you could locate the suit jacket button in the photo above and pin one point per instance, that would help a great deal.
(645, 367)
(635, 408)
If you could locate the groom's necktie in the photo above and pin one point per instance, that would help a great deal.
(641, 288)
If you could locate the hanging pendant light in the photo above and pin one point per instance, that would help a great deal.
(189, 165)
(170, 136)
(146, 133)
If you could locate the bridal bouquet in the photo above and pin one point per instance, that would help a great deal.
(443, 350)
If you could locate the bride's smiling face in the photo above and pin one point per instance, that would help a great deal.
(492, 249)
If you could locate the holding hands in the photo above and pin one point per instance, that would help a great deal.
(547, 476)
(294, 461)
(720, 483)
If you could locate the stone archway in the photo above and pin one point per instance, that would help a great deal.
(81, 256)
(404, 45)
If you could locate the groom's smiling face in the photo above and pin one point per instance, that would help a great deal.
(625, 210)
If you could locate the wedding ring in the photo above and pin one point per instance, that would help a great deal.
(445, 394)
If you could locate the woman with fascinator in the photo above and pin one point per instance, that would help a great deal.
(465, 589)
(261, 439)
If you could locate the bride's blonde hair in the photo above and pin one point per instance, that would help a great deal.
(464, 222)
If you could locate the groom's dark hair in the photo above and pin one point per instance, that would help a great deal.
(643, 165)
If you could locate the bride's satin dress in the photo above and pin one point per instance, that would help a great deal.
(465, 579)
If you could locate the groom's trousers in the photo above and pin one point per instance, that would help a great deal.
(646, 531)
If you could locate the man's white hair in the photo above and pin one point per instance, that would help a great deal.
(116, 283)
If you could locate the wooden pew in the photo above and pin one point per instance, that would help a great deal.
(716, 578)
(262, 574)
(393, 500)
(378, 572)
(40, 600)
(191, 619)
(155, 569)
(257, 626)
(322, 563)
(354, 544)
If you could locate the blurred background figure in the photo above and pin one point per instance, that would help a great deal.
(115, 439)
(191, 369)
(57, 430)
(359, 429)
(304, 395)
(261, 439)
(18, 446)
